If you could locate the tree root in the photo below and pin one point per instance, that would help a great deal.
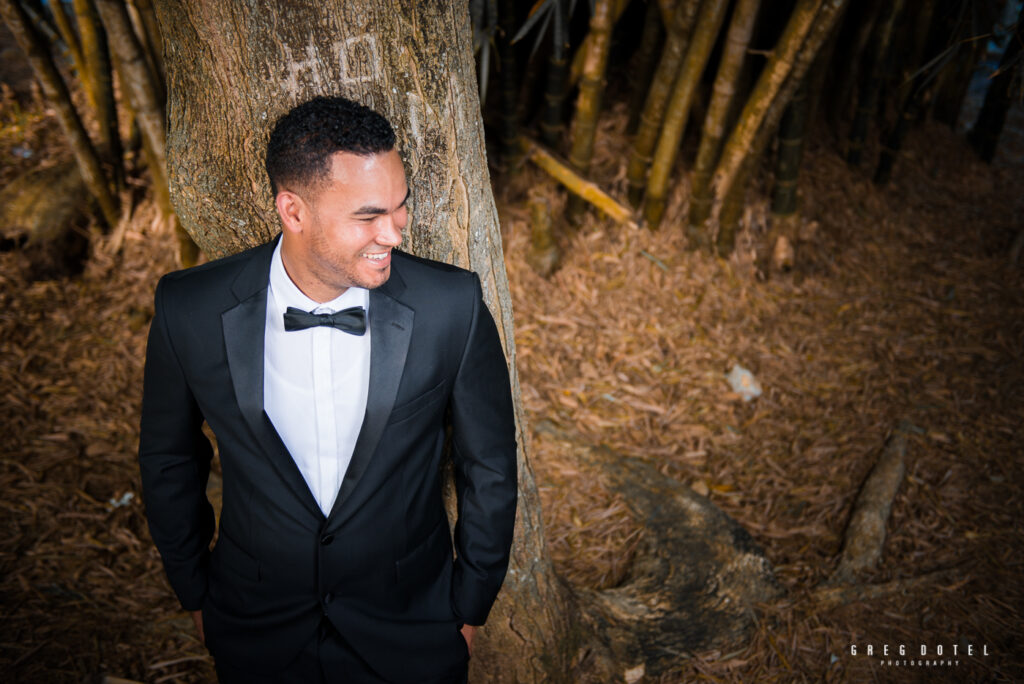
(865, 535)
(693, 586)
(830, 596)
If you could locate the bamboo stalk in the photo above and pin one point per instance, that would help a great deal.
(580, 57)
(141, 91)
(588, 103)
(955, 81)
(846, 68)
(509, 83)
(555, 88)
(56, 92)
(70, 38)
(554, 96)
(153, 44)
(867, 101)
(544, 255)
(793, 133)
(826, 21)
(100, 83)
(657, 96)
(665, 8)
(984, 135)
(791, 145)
(709, 22)
(737, 39)
(575, 183)
(644, 62)
(778, 81)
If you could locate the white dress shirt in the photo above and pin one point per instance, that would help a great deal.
(315, 383)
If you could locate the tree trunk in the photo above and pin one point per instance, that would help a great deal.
(233, 70)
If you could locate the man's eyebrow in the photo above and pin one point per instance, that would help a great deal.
(368, 210)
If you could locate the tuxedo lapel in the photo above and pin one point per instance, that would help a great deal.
(390, 324)
(244, 326)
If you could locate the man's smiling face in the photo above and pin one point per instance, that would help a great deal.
(345, 227)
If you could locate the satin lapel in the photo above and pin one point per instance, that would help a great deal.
(390, 329)
(243, 339)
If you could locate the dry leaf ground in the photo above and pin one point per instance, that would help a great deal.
(902, 306)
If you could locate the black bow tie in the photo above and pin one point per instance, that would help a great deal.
(351, 320)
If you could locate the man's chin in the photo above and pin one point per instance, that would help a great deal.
(378, 278)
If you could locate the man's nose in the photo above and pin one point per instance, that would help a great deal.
(390, 231)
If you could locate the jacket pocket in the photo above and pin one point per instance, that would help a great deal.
(418, 403)
(228, 555)
(427, 558)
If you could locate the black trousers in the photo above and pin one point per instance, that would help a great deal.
(326, 659)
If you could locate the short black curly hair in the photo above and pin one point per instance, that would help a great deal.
(303, 140)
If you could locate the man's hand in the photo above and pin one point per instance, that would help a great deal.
(468, 632)
(197, 617)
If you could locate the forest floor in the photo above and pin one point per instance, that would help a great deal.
(902, 307)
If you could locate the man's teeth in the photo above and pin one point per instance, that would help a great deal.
(376, 257)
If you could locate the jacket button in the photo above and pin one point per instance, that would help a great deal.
(326, 539)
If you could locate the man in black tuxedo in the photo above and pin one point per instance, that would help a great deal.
(332, 369)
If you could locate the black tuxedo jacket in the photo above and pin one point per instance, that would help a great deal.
(380, 565)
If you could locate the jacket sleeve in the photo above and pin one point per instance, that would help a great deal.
(174, 460)
(484, 455)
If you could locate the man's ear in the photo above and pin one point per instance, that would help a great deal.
(292, 209)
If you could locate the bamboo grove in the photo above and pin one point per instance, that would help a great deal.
(722, 92)
(99, 64)
(719, 92)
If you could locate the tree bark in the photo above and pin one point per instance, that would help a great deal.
(233, 69)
